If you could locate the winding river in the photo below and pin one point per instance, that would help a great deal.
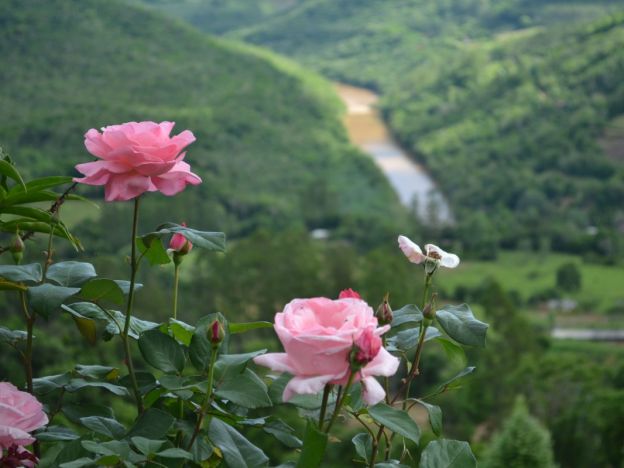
(410, 180)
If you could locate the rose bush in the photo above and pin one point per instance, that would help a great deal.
(318, 334)
(20, 414)
(137, 157)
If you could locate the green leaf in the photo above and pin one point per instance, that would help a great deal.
(7, 169)
(183, 332)
(86, 327)
(363, 443)
(454, 352)
(104, 426)
(153, 249)
(97, 371)
(245, 327)
(42, 183)
(406, 314)
(78, 384)
(435, 416)
(101, 289)
(453, 382)
(49, 383)
(244, 389)
(203, 239)
(74, 412)
(461, 325)
(175, 453)
(47, 298)
(152, 424)
(78, 463)
(27, 274)
(56, 433)
(234, 363)
(236, 449)
(162, 351)
(396, 420)
(314, 444)
(12, 336)
(70, 273)
(147, 446)
(282, 432)
(447, 454)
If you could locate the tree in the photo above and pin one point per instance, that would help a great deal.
(522, 443)
(569, 277)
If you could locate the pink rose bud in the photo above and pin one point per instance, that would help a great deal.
(349, 294)
(384, 312)
(216, 333)
(17, 248)
(365, 348)
(180, 244)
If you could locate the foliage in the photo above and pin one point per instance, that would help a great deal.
(522, 443)
(569, 277)
(270, 151)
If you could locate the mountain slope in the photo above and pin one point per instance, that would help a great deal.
(269, 150)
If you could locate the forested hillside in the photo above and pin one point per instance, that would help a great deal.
(270, 147)
(506, 102)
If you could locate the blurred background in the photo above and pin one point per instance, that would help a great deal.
(493, 128)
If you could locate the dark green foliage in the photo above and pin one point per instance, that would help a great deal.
(522, 443)
(569, 277)
(270, 149)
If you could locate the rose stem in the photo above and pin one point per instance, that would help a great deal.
(124, 336)
(340, 402)
(326, 392)
(207, 401)
(176, 280)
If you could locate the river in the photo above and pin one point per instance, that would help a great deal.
(366, 128)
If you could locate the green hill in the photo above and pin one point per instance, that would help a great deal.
(270, 145)
(506, 102)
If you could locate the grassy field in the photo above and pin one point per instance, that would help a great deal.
(529, 274)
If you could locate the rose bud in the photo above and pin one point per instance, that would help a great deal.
(349, 294)
(365, 348)
(216, 333)
(384, 311)
(180, 244)
(17, 248)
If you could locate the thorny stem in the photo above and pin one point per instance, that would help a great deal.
(134, 266)
(207, 401)
(30, 322)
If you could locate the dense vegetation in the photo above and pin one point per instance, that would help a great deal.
(517, 94)
(270, 147)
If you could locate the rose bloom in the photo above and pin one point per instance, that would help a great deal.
(318, 334)
(137, 157)
(20, 414)
(414, 253)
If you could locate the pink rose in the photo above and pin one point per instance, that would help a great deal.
(20, 414)
(345, 293)
(18, 456)
(318, 334)
(137, 157)
(180, 244)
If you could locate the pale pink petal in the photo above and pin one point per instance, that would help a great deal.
(183, 139)
(384, 364)
(95, 145)
(447, 260)
(13, 435)
(411, 250)
(123, 187)
(277, 362)
(372, 391)
(302, 385)
(166, 127)
(154, 168)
